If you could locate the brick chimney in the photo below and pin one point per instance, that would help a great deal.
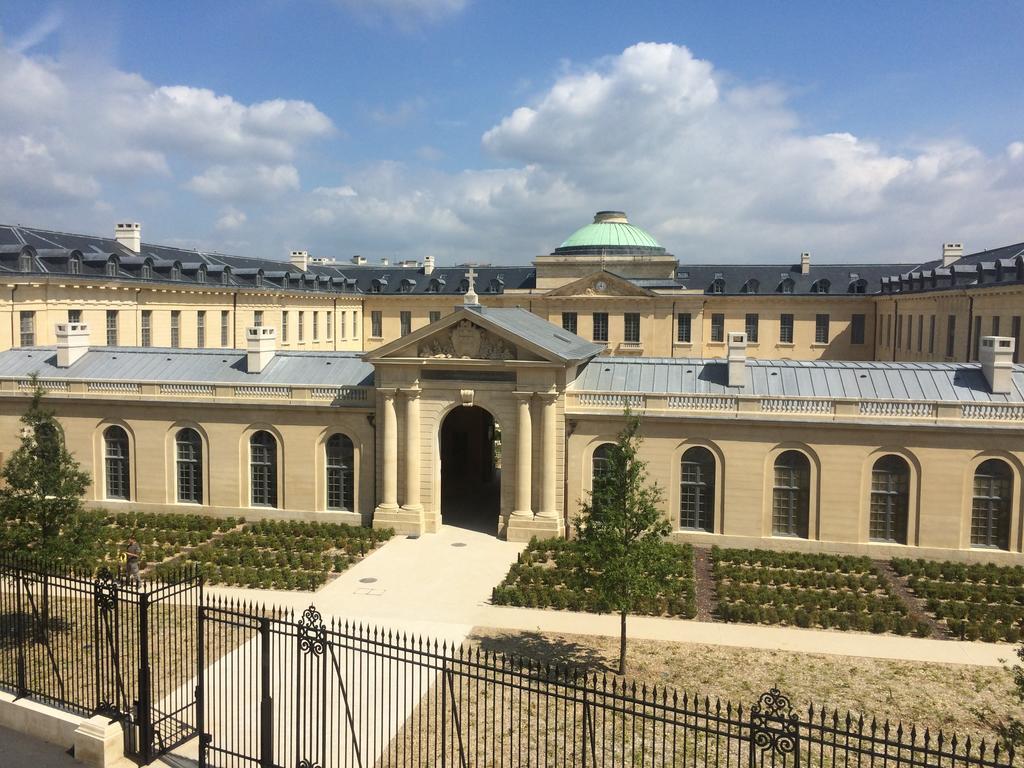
(129, 235)
(72, 343)
(996, 356)
(951, 252)
(737, 360)
(261, 344)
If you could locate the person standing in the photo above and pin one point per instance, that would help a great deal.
(133, 553)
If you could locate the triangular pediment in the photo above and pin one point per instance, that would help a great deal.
(600, 283)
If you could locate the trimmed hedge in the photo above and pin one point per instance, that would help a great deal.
(844, 592)
(550, 574)
(282, 554)
(976, 602)
(162, 535)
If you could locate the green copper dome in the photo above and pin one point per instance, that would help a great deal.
(610, 232)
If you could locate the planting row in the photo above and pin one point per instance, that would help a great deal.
(551, 574)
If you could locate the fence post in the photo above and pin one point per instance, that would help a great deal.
(444, 708)
(266, 701)
(144, 705)
(20, 624)
(204, 741)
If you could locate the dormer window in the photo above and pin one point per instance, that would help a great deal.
(175, 272)
(201, 275)
(259, 280)
(112, 268)
(786, 286)
(496, 285)
(464, 286)
(859, 285)
(751, 286)
(408, 285)
(436, 284)
(75, 265)
(821, 286)
(147, 272)
(25, 262)
(379, 284)
(717, 286)
(225, 277)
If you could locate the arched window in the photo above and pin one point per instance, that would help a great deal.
(786, 286)
(25, 262)
(189, 448)
(751, 286)
(263, 469)
(990, 507)
(75, 265)
(147, 272)
(717, 286)
(116, 464)
(602, 455)
(340, 472)
(791, 495)
(859, 285)
(697, 490)
(112, 268)
(890, 479)
(821, 286)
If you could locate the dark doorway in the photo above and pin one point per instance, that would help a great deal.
(470, 470)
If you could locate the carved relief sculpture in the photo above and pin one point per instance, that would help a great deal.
(467, 340)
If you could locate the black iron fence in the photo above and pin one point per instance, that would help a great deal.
(103, 645)
(239, 685)
(298, 691)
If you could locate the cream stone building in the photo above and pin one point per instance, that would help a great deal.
(780, 406)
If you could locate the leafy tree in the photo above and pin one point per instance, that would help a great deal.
(1011, 729)
(41, 510)
(621, 531)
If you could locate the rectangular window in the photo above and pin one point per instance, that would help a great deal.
(910, 330)
(147, 328)
(570, 321)
(435, 315)
(201, 329)
(257, 318)
(683, 327)
(920, 332)
(341, 324)
(330, 326)
(377, 324)
(74, 316)
(995, 325)
(857, 329)
(355, 325)
(405, 321)
(111, 327)
(302, 326)
(631, 327)
(316, 326)
(821, 329)
(600, 326)
(1015, 332)
(284, 327)
(950, 335)
(225, 328)
(28, 329)
(976, 341)
(717, 327)
(898, 342)
(931, 335)
(786, 329)
(175, 328)
(750, 326)
(888, 330)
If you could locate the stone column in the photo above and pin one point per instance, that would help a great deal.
(390, 458)
(524, 455)
(412, 450)
(548, 456)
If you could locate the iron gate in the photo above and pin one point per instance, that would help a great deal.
(101, 645)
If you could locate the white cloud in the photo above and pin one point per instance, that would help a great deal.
(231, 218)
(406, 14)
(87, 131)
(245, 182)
(717, 170)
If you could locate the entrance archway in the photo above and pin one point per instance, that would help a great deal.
(470, 469)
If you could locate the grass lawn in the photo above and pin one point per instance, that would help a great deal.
(967, 700)
(548, 575)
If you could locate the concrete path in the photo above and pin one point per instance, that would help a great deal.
(440, 585)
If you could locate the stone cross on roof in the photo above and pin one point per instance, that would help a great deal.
(471, 297)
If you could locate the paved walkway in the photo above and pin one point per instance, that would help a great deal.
(440, 585)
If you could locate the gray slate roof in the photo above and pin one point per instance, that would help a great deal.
(201, 366)
(953, 382)
(538, 331)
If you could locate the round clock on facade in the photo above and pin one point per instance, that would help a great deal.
(600, 285)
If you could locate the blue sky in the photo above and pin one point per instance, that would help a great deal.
(488, 131)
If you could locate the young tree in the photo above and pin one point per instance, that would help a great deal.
(621, 531)
(41, 511)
